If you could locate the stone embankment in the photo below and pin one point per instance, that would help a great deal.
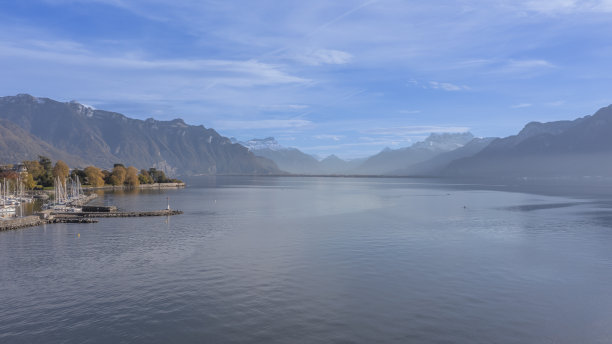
(141, 186)
(33, 221)
(21, 222)
(84, 200)
(165, 212)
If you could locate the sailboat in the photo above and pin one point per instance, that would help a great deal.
(7, 208)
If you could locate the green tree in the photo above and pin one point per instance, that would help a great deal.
(158, 176)
(80, 174)
(144, 177)
(46, 177)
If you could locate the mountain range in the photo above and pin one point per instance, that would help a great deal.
(578, 148)
(294, 161)
(83, 135)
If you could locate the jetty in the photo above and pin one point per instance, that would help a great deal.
(37, 220)
(94, 214)
(88, 215)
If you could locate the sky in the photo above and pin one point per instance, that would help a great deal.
(345, 77)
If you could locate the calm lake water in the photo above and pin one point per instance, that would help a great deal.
(317, 260)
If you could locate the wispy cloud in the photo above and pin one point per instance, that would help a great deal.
(555, 103)
(263, 124)
(436, 85)
(218, 71)
(329, 137)
(416, 130)
(518, 65)
(447, 86)
(284, 107)
(314, 68)
(318, 57)
(409, 112)
(521, 105)
(552, 7)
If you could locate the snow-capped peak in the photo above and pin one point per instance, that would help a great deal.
(259, 144)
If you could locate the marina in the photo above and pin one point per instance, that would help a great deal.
(67, 203)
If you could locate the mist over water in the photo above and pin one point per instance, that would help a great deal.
(302, 260)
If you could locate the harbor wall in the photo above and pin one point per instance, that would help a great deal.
(20, 222)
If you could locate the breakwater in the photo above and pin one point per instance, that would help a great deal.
(141, 186)
(164, 212)
(33, 221)
(21, 222)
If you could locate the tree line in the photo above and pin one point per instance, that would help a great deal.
(42, 173)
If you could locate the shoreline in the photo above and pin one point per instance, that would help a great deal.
(47, 217)
(141, 186)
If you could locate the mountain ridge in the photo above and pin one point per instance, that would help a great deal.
(103, 138)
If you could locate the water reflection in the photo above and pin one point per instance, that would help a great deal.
(306, 260)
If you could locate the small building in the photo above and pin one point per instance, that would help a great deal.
(19, 169)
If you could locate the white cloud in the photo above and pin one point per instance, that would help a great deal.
(322, 56)
(552, 7)
(241, 73)
(329, 137)
(416, 130)
(521, 105)
(284, 107)
(527, 64)
(446, 86)
(263, 124)
(556, 103)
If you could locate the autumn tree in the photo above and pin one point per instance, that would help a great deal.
(131, 177)
(34, 168)
(95, 177)
(118, 175)
(61, 171)
(29, 182)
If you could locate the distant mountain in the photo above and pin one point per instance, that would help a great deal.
(17, 145)
(258, 144)
(578, 148)
(104, 138)
(290, 160)
(391, 161)
(433, 166)
(334, 165)
(295, 161)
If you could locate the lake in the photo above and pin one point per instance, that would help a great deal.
(317, 260)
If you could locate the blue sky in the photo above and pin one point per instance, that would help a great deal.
(344, 77)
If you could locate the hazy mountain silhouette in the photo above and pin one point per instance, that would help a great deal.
(104, 138)
(433, 166)
(389, 161)
(295, 161)
(578, 148)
